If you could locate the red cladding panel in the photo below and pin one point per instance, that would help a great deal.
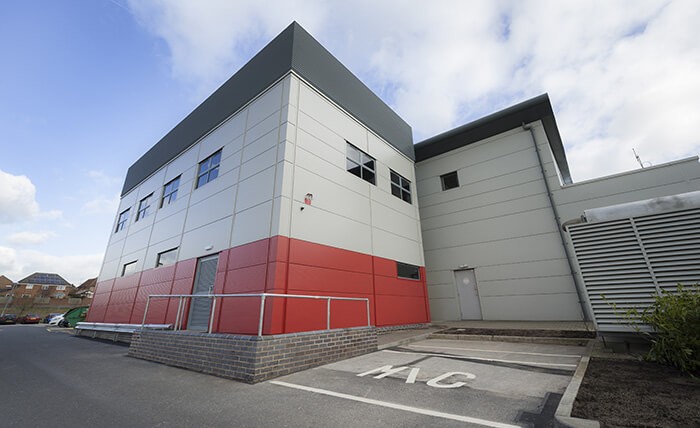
(118, 313)
(398, 287)
(307, 253)
(396, 310)
(96, 313)
(316, 280)
(305, 315)
(142, 297)
(238, 315)
(222, 264)
(246, 280)
(157, 275)
(104, 287)
(185, 269)
(124, 282)
(279, 249)
(251, 254)
(276, 277)
(384, 267)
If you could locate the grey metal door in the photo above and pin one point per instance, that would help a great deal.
(468, 294)
(200, 308)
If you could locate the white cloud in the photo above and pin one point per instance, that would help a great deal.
(16, 264)
(101, 206)
(621, 75)
(30, 238)
(101, 177)
(17, 198)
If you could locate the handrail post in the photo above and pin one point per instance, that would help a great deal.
(328, 314)
(369, 320)
(176, 327)
(211, 318)
(145, 311)
(262, 313)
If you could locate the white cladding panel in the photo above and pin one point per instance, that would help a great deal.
(500, 223)
(347, 211)
(233, 209)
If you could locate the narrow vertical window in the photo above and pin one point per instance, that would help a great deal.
(360, 164)
(121, 221)
(170, 192)
(449, 180)
(144, 207)
(400, 187)
(208, 169)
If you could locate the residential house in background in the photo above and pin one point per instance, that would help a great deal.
(85, 290)
(42, 287)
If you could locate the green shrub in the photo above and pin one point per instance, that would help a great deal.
(675, 321)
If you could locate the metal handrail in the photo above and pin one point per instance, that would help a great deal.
(180, 315)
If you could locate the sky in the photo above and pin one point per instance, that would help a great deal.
(88, 86)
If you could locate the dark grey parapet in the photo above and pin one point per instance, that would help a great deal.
(538, 108)
(293, 49)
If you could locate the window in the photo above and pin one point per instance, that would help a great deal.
(166, 258)
(121, 222)
(360, 164)
(400, 187)
(29, 286)
(44, 287)
(404, 270)
(59, 296)
(129, 268)
(208, 169)
(170, 192)
(144, 205)
(449, 180)
(60, 287)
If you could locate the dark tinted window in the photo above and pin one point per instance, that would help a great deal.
(121, 222)
(170, 192)
(449, 181)
(208, 169)
(400, 187)
(360, 164)
(404, 270)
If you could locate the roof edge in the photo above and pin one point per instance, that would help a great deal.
(537, 108)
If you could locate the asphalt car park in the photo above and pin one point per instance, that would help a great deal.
(493, 384)
(429, 383)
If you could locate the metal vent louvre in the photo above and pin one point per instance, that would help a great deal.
(629, 260)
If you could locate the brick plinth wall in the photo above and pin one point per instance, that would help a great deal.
(251, 358)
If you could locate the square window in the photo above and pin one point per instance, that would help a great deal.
(60, 287)
(121, 222)
(449, 180)
(208, 169)
(167, 258)
(129, 268)
(144, 206)
(360, 164)
(170, 192)
(400, 187)
(29, 286)
(404, 270)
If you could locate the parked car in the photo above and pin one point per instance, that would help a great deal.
(48, 317)
(29, 319)
(8, 319)
(56, 320)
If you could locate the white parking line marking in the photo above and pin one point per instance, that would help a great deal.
(497, 351)
(528, 363)
(396, 406)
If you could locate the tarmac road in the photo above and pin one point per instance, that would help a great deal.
(50, 378)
